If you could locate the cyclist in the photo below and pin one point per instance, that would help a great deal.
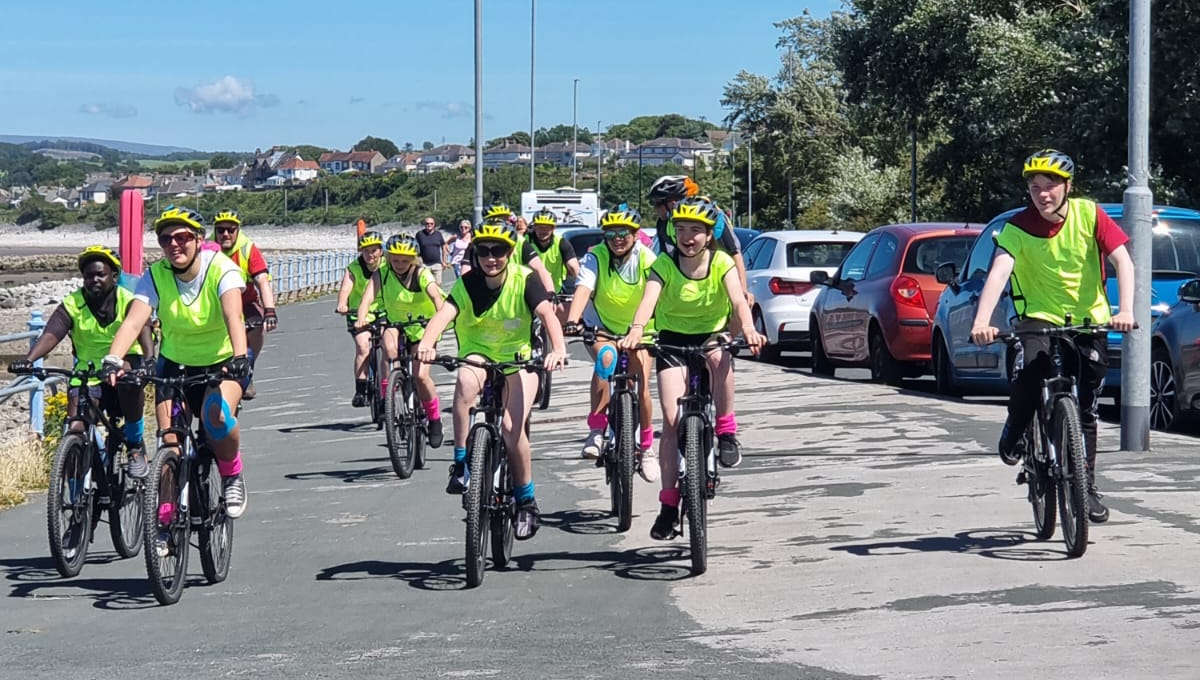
(354, 282)
(526, 253)
(666, 192)
(1053, 254)
(612, 280)
(691, 294)
(258, 300)
(408, 291)
(91, 316)
(198, 297)
(493, 307)
(554, 251)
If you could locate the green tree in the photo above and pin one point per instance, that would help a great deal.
(518, 137)
(384, 146)
(426, 145)
(560, 133)
(309, 152)
(221, 160)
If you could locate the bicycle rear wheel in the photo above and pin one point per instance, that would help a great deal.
(373, 389)
(691, 434)
(125, 512)
(503, 528)
(397, 427)
(620, 483)
(69, 504)
(167, 528)
(216, 528)
(1072, 487)
(479, 491)
(1042, 487)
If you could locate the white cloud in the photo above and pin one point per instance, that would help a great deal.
(109, 109)
(224, 95)
(446, 109)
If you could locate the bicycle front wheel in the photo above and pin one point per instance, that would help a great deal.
(216, 528)
(69, 505)
(503, 528)
(1072, 487)
(396, 419)
(479, 492)
(691, 435)
(167, 528)
(620, 484)
(125, 512)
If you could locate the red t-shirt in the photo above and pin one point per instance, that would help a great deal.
(258, 265)
(1109, 234)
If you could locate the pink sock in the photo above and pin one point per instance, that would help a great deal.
(433, 409)
(726, 424)
(669, 497)
(229, 468)
(166, 512)
(383, 388)
(597, 421)
(647, 437)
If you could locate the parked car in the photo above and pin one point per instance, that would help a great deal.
(779, 266)
(964, 368)
(877, 310)
(746, 236)
(1175, 360)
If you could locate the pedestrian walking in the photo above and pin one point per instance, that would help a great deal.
(434, 251)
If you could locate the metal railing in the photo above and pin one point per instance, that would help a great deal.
(27, 383)
(301, 275)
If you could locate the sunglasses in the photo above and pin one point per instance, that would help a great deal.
(498, 250)
(226, 230)
(614, 234)
(179, 238)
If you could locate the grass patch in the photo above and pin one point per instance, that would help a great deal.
(24, 467)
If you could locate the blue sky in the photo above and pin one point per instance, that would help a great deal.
(220, 75)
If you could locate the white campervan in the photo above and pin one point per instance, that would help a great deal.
(571, 206)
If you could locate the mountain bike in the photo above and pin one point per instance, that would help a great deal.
(489, 502)
(541, 345)
(375, 391)
(698, 478)
(618, 457)
(1053, 458)
(184, 493)
(88, 476)
(404, 420)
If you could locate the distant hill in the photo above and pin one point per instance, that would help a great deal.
(127, 147)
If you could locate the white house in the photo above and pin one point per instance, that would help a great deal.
(296, 170)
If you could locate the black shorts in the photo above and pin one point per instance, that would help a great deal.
(108, 396)
(663, 361)
(194, 394)
(350, 319)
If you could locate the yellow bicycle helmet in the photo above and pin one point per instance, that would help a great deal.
(227, 216)
(1049, 162)
(629, 219)
(368, 239)
(185, 216)
(503, 232)
(98, 253)
(402, 244)
(544, 217)
(497, 211)
(696, 209)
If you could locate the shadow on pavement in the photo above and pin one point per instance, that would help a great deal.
(444, 575)
(36, 578)
(1003, 544)
(584, 522)
(638, 564)
(330, 427)
(374, 474)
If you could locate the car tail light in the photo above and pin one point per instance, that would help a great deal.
(906, 291)
(780, 286)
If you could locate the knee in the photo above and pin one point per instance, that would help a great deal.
(217, 417)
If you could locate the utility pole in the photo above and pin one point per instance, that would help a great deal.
(532, 146)
(326, 201)
(435, 200)
(479, 111)
(285, 205)
(912, 180)
(574, 131)
(750, 182)
(1139, 204)
(639, 178)
(599, 141)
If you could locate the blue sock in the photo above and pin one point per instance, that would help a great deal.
(460, 454)
(524, 492)
(134, 432)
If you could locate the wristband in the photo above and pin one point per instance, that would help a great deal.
(269, 311)
(112, 360)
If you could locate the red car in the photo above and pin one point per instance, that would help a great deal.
(877, 310)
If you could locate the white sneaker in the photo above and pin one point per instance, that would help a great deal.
(593, 444)
(234, 489)
(648, 465)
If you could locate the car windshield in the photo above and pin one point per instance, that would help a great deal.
(817, 254)
(1177, 246)
(925, 255)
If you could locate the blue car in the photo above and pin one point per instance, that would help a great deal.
(961, 367)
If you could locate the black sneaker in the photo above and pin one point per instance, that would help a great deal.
(664, 524)
(360, 400)
(1010, 452)
(730, 450)
(528, 519)
(435, 433)
(249, 393)
(460, 476)
(1097, 511)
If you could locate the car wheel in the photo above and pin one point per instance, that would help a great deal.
(883, 365)
(821, 365)
(768, 352)
(1164, 401)
(942, 372)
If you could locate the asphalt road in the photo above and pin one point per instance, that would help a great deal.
(869, 533)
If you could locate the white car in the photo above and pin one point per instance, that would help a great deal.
(778, 266)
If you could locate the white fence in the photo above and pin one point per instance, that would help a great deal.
(299, 275)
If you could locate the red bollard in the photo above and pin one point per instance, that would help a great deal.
(132, 224)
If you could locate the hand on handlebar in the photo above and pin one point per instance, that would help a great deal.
(754, 339)
(572, 328)
(632, 339)
(1122, 321)
(554, 360)
(270, 320)
(238, 367)
(112, 368)
(982, 335)
(20, 366)
(426, 353)
(342, 309)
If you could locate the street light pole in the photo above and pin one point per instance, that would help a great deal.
(479, 111)
(532, 146)
(574, 130)
(599, 141)
(1139, 204)
(750, 182)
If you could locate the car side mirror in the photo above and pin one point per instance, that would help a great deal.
(1190, 292)
(946, 273)
(819, 277)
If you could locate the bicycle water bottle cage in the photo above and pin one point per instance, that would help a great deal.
(606, 372)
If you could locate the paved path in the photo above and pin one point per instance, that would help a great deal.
(869, 533)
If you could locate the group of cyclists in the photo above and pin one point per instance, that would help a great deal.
(690, 290)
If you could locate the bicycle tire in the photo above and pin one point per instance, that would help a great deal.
(691, 434)
(1072, 488)
(544, 380)
(124, 512)
(476, 501)
(68, 518)
(418, 429)
(620, 484)
(503, 529)
(166, 573)
(396, 427)
(1042, 487)
(373, 389)
(216, 527)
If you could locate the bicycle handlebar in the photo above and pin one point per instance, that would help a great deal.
(142, 376)
(451, 363)
(1015, 335)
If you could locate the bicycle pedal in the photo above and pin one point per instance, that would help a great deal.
(1021, 478)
